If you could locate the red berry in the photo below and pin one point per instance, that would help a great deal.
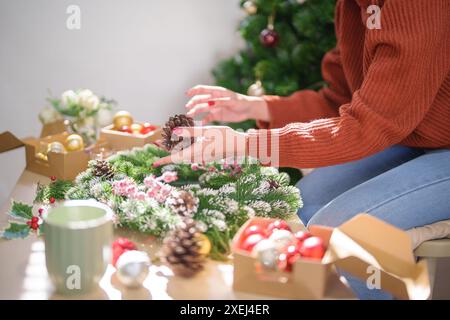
(288, 258)
(278, 224)
(312, 247)
(41, 211)
(53, 178)
(251, 241)
(34, 225)
(52, 200)
(301, 236)
(254, 229)
(34, 219)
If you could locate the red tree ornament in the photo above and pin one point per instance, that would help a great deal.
(52, 200)
(251, 241)
(254, 229)
(269, 38)
(313, 248)
(278, 225)
(288, 258)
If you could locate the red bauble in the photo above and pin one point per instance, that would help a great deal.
(125, 129)
(313, 248)
(52, 200)
(288, 258)
(251, 241)
(278, 224)
(255, 229)
(301, 236)
(120, 246)
(53, 178)
(269, 38)
(147, 127)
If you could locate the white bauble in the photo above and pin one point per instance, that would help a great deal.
(267, 253)
(132, 268)
(282, 238)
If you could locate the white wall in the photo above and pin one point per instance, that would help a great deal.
(143, 53)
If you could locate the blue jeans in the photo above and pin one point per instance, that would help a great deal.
(406, 187)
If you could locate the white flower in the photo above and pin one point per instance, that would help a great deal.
(69, 97)
(201, 226)
(219, 224)
(228, 188)
(49, 115)
(88, 100)
(104, 117)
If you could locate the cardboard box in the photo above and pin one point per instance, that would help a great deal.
(65, 166)
(364, 246)
(53, 128)
(124, 140)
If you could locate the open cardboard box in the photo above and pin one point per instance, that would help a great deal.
(364, 246)
(123, 140)
(53, 128)
(65, 166)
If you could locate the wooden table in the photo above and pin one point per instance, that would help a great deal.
(23, 274)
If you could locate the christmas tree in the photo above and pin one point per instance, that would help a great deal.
(285, 43)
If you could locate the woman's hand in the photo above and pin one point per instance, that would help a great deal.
(221, 104)
(213, 143)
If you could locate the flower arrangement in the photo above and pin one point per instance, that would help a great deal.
(220, 197)
(85, 111)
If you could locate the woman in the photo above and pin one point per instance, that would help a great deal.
(379, 133)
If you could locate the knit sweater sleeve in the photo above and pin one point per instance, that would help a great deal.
(307, 105)
(410, 61)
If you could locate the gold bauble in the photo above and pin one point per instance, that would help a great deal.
(250, 7)
(41, 156)
(122, 119)
(74, 142)
(256, 89)
(56, 146)
(136, 128)
(205, 244)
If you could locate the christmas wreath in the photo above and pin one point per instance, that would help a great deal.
(220, 197)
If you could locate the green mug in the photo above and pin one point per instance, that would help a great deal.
(78, 236)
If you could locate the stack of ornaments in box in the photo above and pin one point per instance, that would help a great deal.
(276, 247)
(124, 133)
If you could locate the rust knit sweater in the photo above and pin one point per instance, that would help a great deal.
(385, 86)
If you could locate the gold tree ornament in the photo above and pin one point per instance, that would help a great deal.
(136, 128)
(74, 142)
(204, 243)
(122, 119)
(56, 146)
(256, 89)
(250, 7)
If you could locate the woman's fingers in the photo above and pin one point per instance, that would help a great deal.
(214, 91)
(209, 105)
(199, 98)
(199, 152)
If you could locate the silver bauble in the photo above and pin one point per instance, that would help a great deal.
(132, 268)
(282, 238)
(256, 89)
(267, 253)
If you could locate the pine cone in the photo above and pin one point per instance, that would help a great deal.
(181, 250)
(169, 141)
(102, 168)
(182, 203)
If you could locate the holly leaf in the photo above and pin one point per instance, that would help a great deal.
(16, 231)
(21, 211)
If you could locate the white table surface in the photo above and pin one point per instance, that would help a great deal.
(23, 274)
